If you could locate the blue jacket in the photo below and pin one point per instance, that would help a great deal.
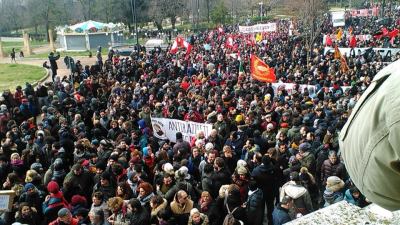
(280, 216)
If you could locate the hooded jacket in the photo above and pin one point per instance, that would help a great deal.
(299, 194)
(369, 141)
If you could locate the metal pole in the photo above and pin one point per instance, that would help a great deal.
(137, 35)
(90, 17)
(133, 14)
(133, 8)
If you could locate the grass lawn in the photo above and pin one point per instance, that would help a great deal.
(12, 75)
(18, 45)
(63, 54)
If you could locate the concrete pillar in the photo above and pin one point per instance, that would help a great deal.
(112, 38)
(1, 49)
(52, 46)
(87, 41)
(27, 45)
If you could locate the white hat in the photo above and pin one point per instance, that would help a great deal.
(209, 146)
(168, 168)
(240, 163)
(194, 211)
(183, 172)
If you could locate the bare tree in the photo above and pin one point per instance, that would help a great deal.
(311, 15)
(163, 9)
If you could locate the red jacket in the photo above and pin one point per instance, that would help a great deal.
(57, 222)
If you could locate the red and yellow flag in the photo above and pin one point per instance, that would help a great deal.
(337, 54)
(343, 63)
(350, 30)
(261, 71)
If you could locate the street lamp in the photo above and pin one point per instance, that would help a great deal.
(261, 9)
(133, 7)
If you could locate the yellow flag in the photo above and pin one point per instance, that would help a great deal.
(339, 34)
(259, 37)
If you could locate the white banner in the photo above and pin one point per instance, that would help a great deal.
(364, 37)
(312, 89)
(290, 86)
(346, 51)
(258, 28)
(164, 128)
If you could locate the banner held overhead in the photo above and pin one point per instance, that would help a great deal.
(167, 128)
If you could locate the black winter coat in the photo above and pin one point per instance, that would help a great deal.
(255, 208)
(265, 176)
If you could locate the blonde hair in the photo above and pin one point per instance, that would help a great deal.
(304, 170)
(30, 175)
(15, 155)
(115, 203)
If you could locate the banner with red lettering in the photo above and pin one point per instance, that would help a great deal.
(364, 12)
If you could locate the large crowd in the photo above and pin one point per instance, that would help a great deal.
(83, 152)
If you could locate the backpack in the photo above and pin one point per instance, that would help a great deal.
(229, 218)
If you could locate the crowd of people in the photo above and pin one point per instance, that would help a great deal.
(83, 152)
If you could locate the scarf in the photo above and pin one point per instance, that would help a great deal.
(145, 199)
(58, 173)
(17, 162)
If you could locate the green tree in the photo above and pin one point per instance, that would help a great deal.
(219, 15)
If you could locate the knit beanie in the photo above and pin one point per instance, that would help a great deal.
(53, 187)
(28, 186)
(78, 200)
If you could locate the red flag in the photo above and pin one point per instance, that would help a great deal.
(353, 41)
(180, 43)
(385, 31)
(229, 42)
(328, 40)
(210, 35)
(378, 35)
(393, 34)
(261, 71)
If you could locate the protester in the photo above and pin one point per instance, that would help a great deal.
(64, 217)
(281, 212)
(95, 148)
(53, 64)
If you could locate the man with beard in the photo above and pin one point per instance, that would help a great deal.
(78, 181)
(167, 184)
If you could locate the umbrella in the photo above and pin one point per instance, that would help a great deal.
(88, 25)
